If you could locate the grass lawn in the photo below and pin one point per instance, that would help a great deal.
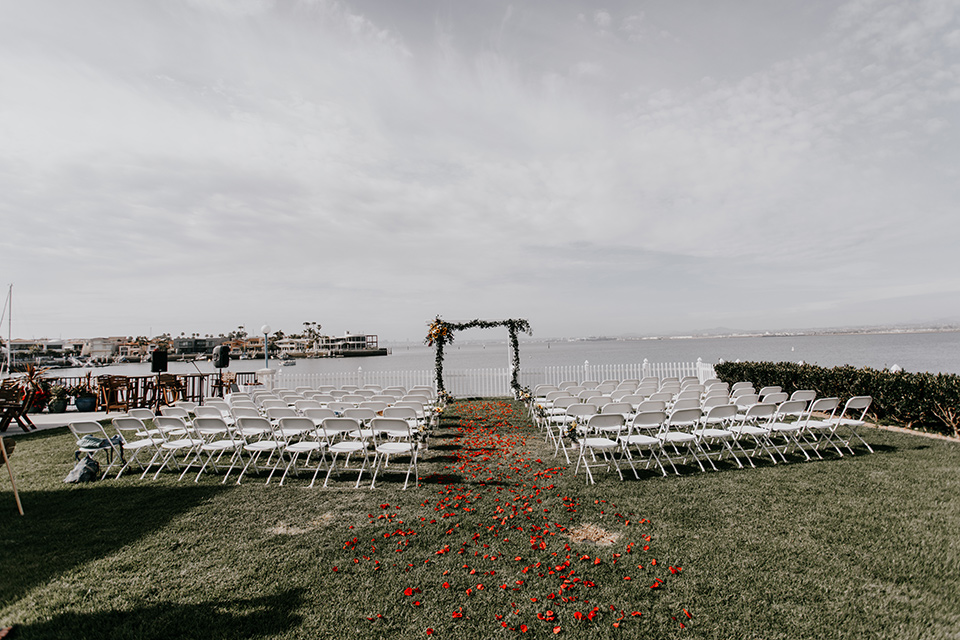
(491, 544)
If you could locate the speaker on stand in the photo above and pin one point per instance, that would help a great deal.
(158, 365)
(221, 359)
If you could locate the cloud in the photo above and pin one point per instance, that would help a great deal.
(328, 160)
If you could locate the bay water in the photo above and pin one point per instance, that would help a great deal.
(935, 352)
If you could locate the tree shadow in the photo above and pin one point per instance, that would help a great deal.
(259, 617)
(63, 529)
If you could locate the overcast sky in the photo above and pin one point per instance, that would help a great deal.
(597, 168)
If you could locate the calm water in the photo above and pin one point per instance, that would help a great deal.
(934, 352)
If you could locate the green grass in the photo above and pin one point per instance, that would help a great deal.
(863, 546)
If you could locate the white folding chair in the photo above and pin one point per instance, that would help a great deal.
(218, 438)
(678, 432)
(259, 438)
(713, 429)
(852, 417)
(393, 437)
(299, 436)
(752, 425)
(132, 431)
(92, 438)
(601, 435)
(818, 428)
(644, 437)
(342, 437)
(178, 439)
(787, 424)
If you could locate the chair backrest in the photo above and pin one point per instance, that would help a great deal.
(186, 405)
(566, 384)
(686, 403)
(254, 424)
(652, 405)
(393, 427)
(633, 399)
(353, 398)
(333, 427)
(275, 413)
(714, 401)
(141, 414)
(855, 405)
(721, 413)
(406, 413)
(274, 403)
(82, 428)
(620, 408)
(245, 412)
(542, 390)
(607, 387)
(210, 424)
(746, 400)
(824, 406)
(606, 421)
(804, 394)
(205, 411)
(319, 413)
(774, 398)
(170, 423)
(741, 385)
(794, 408)
(128, 424)
(662, 396)
(553, 395)
(302, 405)
(581, 410)
(375, 405)
(376, 388)
(760, 412)
(363, 415)
(338, 406)
(300, 424)
(770, 389)
(649, 420)
(687, 394)
(684, 418)
(366, 394)
(325, 388)
(589, 384)
(175, 412)
(565, 401)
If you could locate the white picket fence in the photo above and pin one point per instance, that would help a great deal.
(495, 382)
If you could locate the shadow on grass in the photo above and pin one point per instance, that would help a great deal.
(234, 619)
(63, 529)
(441, 478)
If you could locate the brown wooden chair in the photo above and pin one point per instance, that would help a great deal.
(113, 393)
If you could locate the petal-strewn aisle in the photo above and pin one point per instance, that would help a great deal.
(509, 540)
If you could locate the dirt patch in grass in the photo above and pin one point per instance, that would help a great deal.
(589, 532)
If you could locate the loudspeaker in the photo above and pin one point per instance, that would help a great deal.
(221, 356)
(158, 361)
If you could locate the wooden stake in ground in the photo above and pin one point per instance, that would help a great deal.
(6, 461)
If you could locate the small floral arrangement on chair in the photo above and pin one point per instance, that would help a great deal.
(444, 398)
(571, 433)
(540, 411)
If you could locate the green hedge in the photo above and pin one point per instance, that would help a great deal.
(922, 401)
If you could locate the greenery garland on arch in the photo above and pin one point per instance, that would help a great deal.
(440, 334)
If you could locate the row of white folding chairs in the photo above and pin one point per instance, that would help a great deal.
(289, 444)
(773, 429)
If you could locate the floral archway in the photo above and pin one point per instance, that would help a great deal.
(441, 333)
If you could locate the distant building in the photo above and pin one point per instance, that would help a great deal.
(187, 346)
